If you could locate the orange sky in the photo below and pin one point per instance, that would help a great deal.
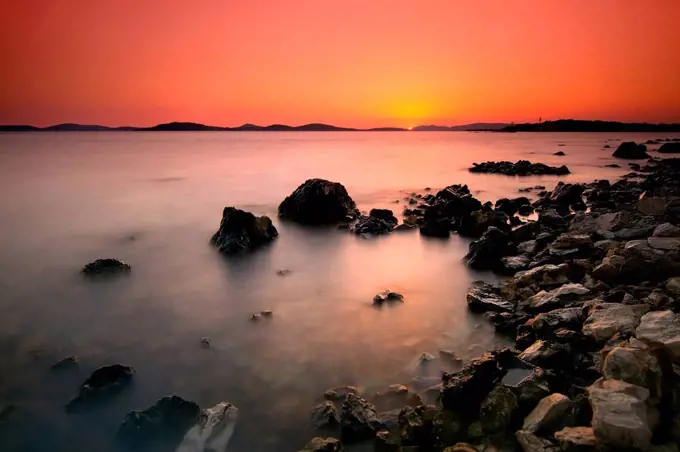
(348, 62)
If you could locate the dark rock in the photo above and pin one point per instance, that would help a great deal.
(631, 150)
(319, 444)
(372, 225)
(514, 264)
(559, 153)
(511, 206)
(325, 416)
(550, 217)
(486, 252)
(669, 148)
(386, 442)
(106, 267)
(497, 410)
(477, 222)
(318, 201)
(525, 210)
(69, 362)
(527, 231)
(104, 381)
(612, 165)
(241, 231)
(483, 297)
(404, 227)
(340, 393)
(383, 214)
(520, 168)
(548, 355)
(166, 422)
(436, 228)
(566, 194)
(465, 390)
(387, 296)
(358, 420)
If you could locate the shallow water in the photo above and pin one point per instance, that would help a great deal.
(154, 200)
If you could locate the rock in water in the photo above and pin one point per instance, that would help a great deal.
(520, 168)
(486, 253)
(106, 267)
(358, 420)
(318, 201)
(631, 151)
(319, 444)
(388, 296)
(240, 230)
(325, 415)
(104, 381)
(213, 430)
(670, 148)
(164, 423)
(622, 419)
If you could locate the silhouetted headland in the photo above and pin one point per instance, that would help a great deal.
(575, 125)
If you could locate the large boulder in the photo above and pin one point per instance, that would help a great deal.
(622, 417)
(241, 231)
(106, 267)
(547, 413)
(103, 382)
(486, 253)
(325, 415)
(631, 151)
(320, 444)
(634, 365)
(477, 222)
(547, 322)
(465, 390)
(607, 319)
(661, 327)
(165, 422)
(484, 297)
(318, 201)
(358, 420)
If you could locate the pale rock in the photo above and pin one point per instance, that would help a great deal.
(666, 230)
(673, 285)
(607, 319)
(545, 300)
(664, 243)
(548, 410)
(532, 443)
(213, 430)
(661, 327)
(545, 274)
(576, 438)
(567, 241)
(634, 365)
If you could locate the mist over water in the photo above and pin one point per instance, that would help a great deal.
(154, 200)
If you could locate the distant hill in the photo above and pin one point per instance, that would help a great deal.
(462, 128)
(19, 128)
(577, 125)
(70, 127)
(182, 127)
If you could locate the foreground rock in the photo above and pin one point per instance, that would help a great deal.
(106, 267)
(387, 296)
(165, 422)
(661, 327)
(487, 252)
(379, 221)
(483, 297)
(320, 444)
(103, 382)
(213, 430)
(242, 231)
(318, 202)
(358, 420)
(631, 151)
(520, 168)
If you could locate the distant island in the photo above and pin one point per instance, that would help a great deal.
(561, 125)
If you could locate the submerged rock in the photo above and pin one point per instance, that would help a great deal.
(103, 382)
(318, 201)
(465, 390)
(241, 231)
(213, 430)
(372, 225)
(67, 363)
(165, 422)
(106, 267)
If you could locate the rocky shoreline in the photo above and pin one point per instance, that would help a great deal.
(591, 297)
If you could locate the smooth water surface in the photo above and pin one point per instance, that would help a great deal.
(154, 200)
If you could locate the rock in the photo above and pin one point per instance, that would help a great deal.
(69, 362)
(320, 444)
(669, 148)
(497, 410)
(465, 390)
(548, 411)
(664, 243)
(666, 230)
(325, 415)
(545, 274)
(241, 231)
(650, 205)
(547, 355)
(283, 272)
(477, 222)
(567, 194)
(661, 327)
(435, 228)
(205, 342)
(372, 225)
(559, 153)
(483, 297)
(165, 422)
(386, 442)
(102, 382)
(213, 430)
(384, 214)
(486, 253)
(532, 443)
(404, 227)
(528, 247)
(550, 217)
(607, 319)
(576, 439)
(511, 206)
(621, 416)
(631, 151)
(461, 447)
(358, 420)
(318, 201)
(673, 285)
(520, 168)
(106, 267)
(635, 366)
(340, 393)
(566, 241)
(613, 221)
(545, 301)
(513, 264)
(569, 318)
(388, 296)
(612, 165)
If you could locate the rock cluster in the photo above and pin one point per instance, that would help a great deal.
(519, 168)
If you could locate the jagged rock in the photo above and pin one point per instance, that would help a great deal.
(486, 253)
(548, 274)
(514, 264)
(388, 296)
(478, 221)
(372, 225)
(528, 247)
(213, 430)
(622, 417)
(607, 319)
(631, 151)
(468, 388)
(319, 444)
(106, 267)
(549, 410)
(511, 206)
(436, 228)
(384, 214)
(567, 194)
(497, 410)
(532, 443)
(240, 231)
(483, 297)
(525, 232)
(567, 241)
(666, 230)
(358, 420)
(325, 415)
(166, 421)
(340, 393)
(661, 327)
(520, 168)
(386, 442)
(635, 366)
(569, 318)
(318, 201)
(545, 301)
(576, 439)
(104, 381)
(547, 354)
(550, 217)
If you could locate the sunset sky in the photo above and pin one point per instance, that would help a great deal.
(360, 63)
